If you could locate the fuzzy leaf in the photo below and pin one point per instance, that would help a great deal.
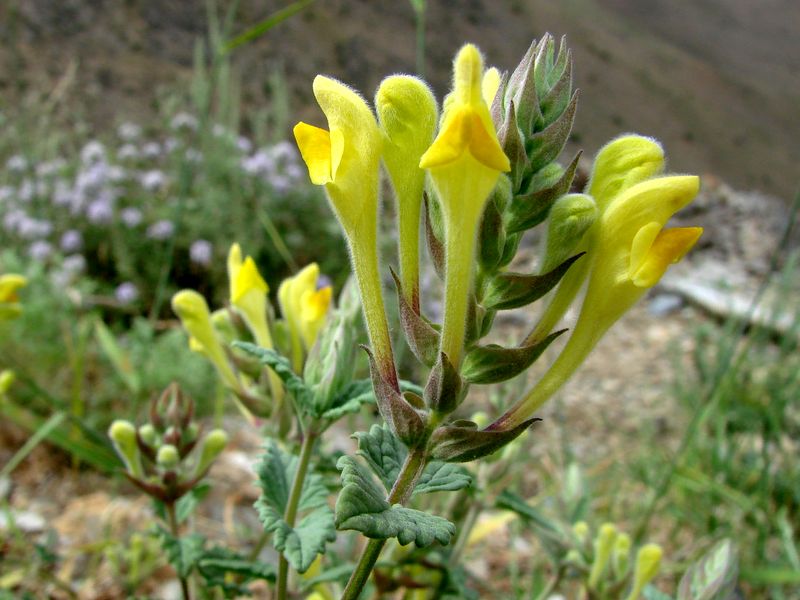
(545, 146)
(184, 552)
(531, 208)
(422, 338)
(283, 368)
(350, 400)
(303, 542)
(463, 442)
(231, 572)
(442, 477)
(361, 506)
(513, 290)
(385, 455)
(383, 452)
(493, 363)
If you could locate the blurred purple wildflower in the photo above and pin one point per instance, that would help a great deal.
(201, 252)
(131, 217)
(126, 293)
(93, 152)
(71, 240)
(161, 230)
(40, 250)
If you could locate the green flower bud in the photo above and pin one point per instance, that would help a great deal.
(168, 456)
(570, 217)
(581, 531)
(148, 434)
(7, 378)
(603, 545)
(123, 436)
(620, 561)
(190, 432)
(648, 561)
(213, 444)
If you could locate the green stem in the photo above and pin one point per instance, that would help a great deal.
(294, 501)
(462, 232)
(401, 491)
(467, 526)
(173, 526)
(365, 265)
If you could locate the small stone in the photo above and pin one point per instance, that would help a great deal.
(25, 521)
(664, 304)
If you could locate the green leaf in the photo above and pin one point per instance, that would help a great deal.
(350, 400)
(442, 477)
(283, 368)
(385, 455)
(383, 452)
(231, 572)
(120, 360)
(187, 503)
(552, 535)
(184, 552)
(303, 542)
(361, 506)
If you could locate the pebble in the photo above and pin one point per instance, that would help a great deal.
(664, 304)
(25, 521)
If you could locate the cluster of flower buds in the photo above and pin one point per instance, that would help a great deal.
(305, 306)
(605, 561)
(170, 454)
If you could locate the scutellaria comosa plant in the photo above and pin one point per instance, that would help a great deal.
(469, 177)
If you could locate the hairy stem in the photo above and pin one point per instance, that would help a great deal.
(401, 492)
(173, 526)
(291, 506)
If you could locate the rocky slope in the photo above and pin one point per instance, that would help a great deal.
(715, 80)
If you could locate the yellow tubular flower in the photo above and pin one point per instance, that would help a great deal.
(490, 84)
(313, 310)
(346, 160)
(193, 312)
(648, 562)
(620, 164)
(465, 162)
(10, 283)
(407, 114)
(290, 295)
(248, 296)
(632, 252)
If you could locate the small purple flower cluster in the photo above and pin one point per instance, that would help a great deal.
(61, 211)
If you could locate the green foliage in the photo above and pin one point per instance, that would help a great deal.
(362, 506)
(385, 455)
(219, 567)
(713, 577)
(303, 542)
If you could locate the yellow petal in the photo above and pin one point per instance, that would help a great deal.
(315, 148)
(314, 304)
(490, 85)
(9, 284)
(234, 264)
(642, 242)
(248, 278)
(668, 247)
(622, 163)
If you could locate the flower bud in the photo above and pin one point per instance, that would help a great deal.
(7, 378)
(620, 560)
(603, 545)
(148, 435)
(213, 444)
(123, 436)
(570, 217)
(168, 456)
(581, 531)
(648, 561)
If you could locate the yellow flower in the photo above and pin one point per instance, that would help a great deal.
(346, 160)
(193, 312)
(619, 165)
(10, 283)
(631, 251)
(305, 308)
(465, 162)
(313, 310)
(248, 292)
(407, 114)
